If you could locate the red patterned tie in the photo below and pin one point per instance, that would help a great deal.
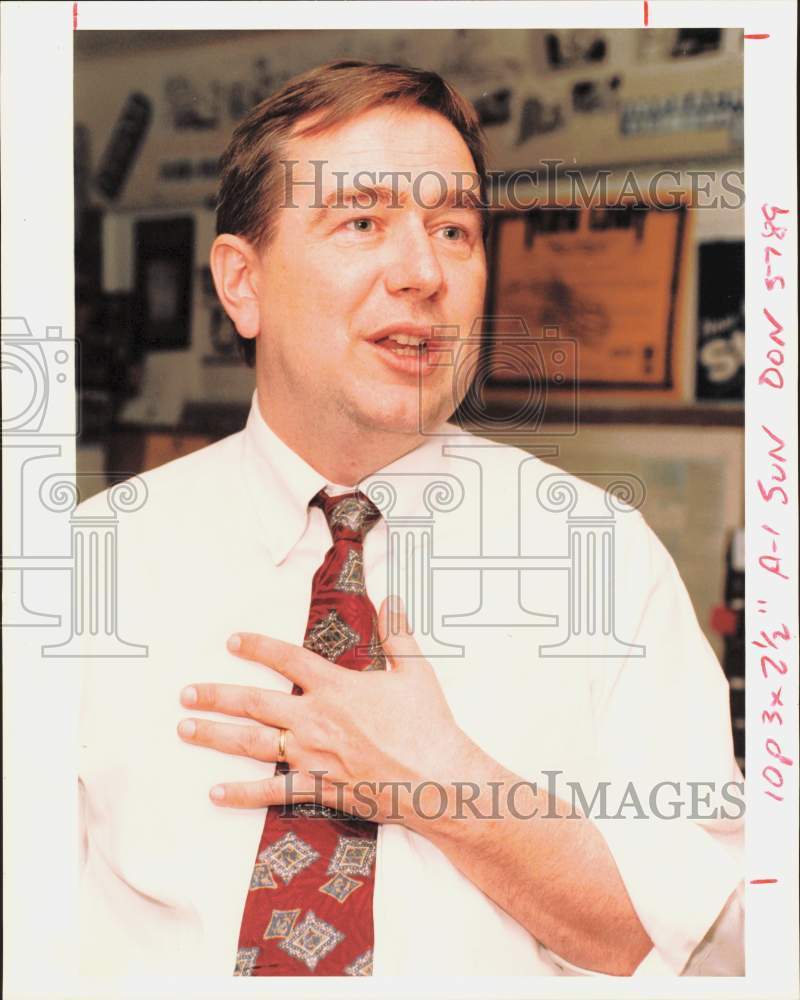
(309, 906)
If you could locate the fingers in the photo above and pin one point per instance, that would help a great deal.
(257, 742)
(294, 662)
(282, 789)
(272, 708)
(399, 645)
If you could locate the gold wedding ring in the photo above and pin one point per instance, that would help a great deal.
(281, 745)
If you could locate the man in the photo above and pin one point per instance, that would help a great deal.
(342, 256)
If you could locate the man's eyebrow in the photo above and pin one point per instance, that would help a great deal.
(344, 197)
(370, 195)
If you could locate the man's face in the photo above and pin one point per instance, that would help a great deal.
(338, 284)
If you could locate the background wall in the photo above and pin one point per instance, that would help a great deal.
(160, 369)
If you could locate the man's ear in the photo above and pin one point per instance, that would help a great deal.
(234, 266)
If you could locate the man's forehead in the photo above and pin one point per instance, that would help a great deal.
(384, 138)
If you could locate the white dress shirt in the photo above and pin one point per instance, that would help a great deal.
(226, 542)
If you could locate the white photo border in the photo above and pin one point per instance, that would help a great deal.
(40, 731)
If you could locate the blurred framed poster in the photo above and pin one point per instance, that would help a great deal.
(164, 254)
(605, 281)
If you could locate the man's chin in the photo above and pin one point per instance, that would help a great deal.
(407, 419)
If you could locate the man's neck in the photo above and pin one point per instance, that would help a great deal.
(342, 456)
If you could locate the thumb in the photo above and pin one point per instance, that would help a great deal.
(398, 642)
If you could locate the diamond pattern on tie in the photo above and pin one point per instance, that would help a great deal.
(311, 940)
(340, 887)
(262, 877)
(362, 966)
(353, 856)
(288, 856)
(280, 924)
(351, 578)
(352, 513)
(331, 637)
(377, 659)
(245, 957)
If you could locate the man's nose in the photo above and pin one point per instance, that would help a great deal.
(414, 267)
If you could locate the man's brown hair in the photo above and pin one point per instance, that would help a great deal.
(252, 183)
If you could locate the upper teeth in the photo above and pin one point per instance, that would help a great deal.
(402, 338)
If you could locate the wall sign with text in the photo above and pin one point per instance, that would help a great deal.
(606, 280)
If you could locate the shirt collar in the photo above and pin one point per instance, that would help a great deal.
(282, 484)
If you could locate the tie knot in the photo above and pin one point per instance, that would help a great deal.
(350, 515)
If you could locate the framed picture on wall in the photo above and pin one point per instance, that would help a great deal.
(597, 289)
(164, 255)
(720, 320)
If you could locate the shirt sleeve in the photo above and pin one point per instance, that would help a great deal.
(720, 953)
(674, 822)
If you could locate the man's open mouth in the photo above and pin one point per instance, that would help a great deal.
(407, 348)
(405, 345)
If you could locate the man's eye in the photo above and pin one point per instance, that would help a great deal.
(454, 233)
(362, 225)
